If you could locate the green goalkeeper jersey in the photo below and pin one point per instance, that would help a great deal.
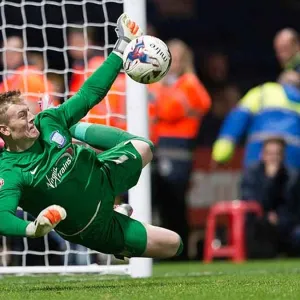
(55, 171)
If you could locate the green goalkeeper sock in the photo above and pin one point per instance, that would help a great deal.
(103, 137)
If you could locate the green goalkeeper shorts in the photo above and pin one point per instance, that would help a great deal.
(124, 166)
(111, 232)
(122, 235)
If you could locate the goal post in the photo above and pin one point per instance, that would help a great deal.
(136, 117)
(137, 123)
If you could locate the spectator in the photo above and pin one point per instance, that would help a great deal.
(13, 54)
(216, 71)
(86, 59)
(55, 80)
(276, 188)
(287, 49)
(224, 93)
(28, 78)
(223, 102)
(266, 110)
(36, 59)
(178, 101)
(58, 84)
(20, 75)
(85, 55)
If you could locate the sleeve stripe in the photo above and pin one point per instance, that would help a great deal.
(80, 130)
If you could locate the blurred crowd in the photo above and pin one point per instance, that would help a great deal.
(189, 108)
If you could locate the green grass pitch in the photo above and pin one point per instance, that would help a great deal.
(265, 280)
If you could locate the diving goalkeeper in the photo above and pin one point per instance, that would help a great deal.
(70, 187)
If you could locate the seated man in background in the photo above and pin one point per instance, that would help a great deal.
(276, 188)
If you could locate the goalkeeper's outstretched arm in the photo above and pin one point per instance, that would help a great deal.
(10, 193)
(10, 224)
(98, 84)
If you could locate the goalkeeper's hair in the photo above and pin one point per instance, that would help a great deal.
(6, 99)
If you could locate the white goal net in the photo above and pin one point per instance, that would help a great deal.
(50, 47)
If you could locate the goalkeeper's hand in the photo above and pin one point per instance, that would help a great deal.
(46, 221)
(126, 30)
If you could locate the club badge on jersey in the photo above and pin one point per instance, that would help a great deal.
(58, 138)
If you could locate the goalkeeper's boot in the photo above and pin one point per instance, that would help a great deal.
(125, 209)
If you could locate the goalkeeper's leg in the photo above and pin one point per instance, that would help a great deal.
(125, 155)
(162, 243)
(126, 237)
(143, 240)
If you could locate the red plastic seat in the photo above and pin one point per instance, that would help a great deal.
(236, 211)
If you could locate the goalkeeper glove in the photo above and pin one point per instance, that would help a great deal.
(126, 30)
(46, 221)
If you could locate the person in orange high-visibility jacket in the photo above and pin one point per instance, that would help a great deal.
(27, 77)
(117, 102)
(81, 71)
(178, 104)
(112, 111)
(31, 83)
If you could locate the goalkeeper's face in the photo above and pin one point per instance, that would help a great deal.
(19, 125)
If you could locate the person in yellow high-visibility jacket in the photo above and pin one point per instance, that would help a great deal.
(268, 110)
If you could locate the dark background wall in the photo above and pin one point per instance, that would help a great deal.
(244, 30)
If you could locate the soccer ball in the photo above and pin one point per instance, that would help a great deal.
(146, 59)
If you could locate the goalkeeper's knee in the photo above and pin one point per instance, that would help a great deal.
(144, 147)
(150, 144)
(125, 136)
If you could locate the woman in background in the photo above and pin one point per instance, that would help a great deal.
(177, 105)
